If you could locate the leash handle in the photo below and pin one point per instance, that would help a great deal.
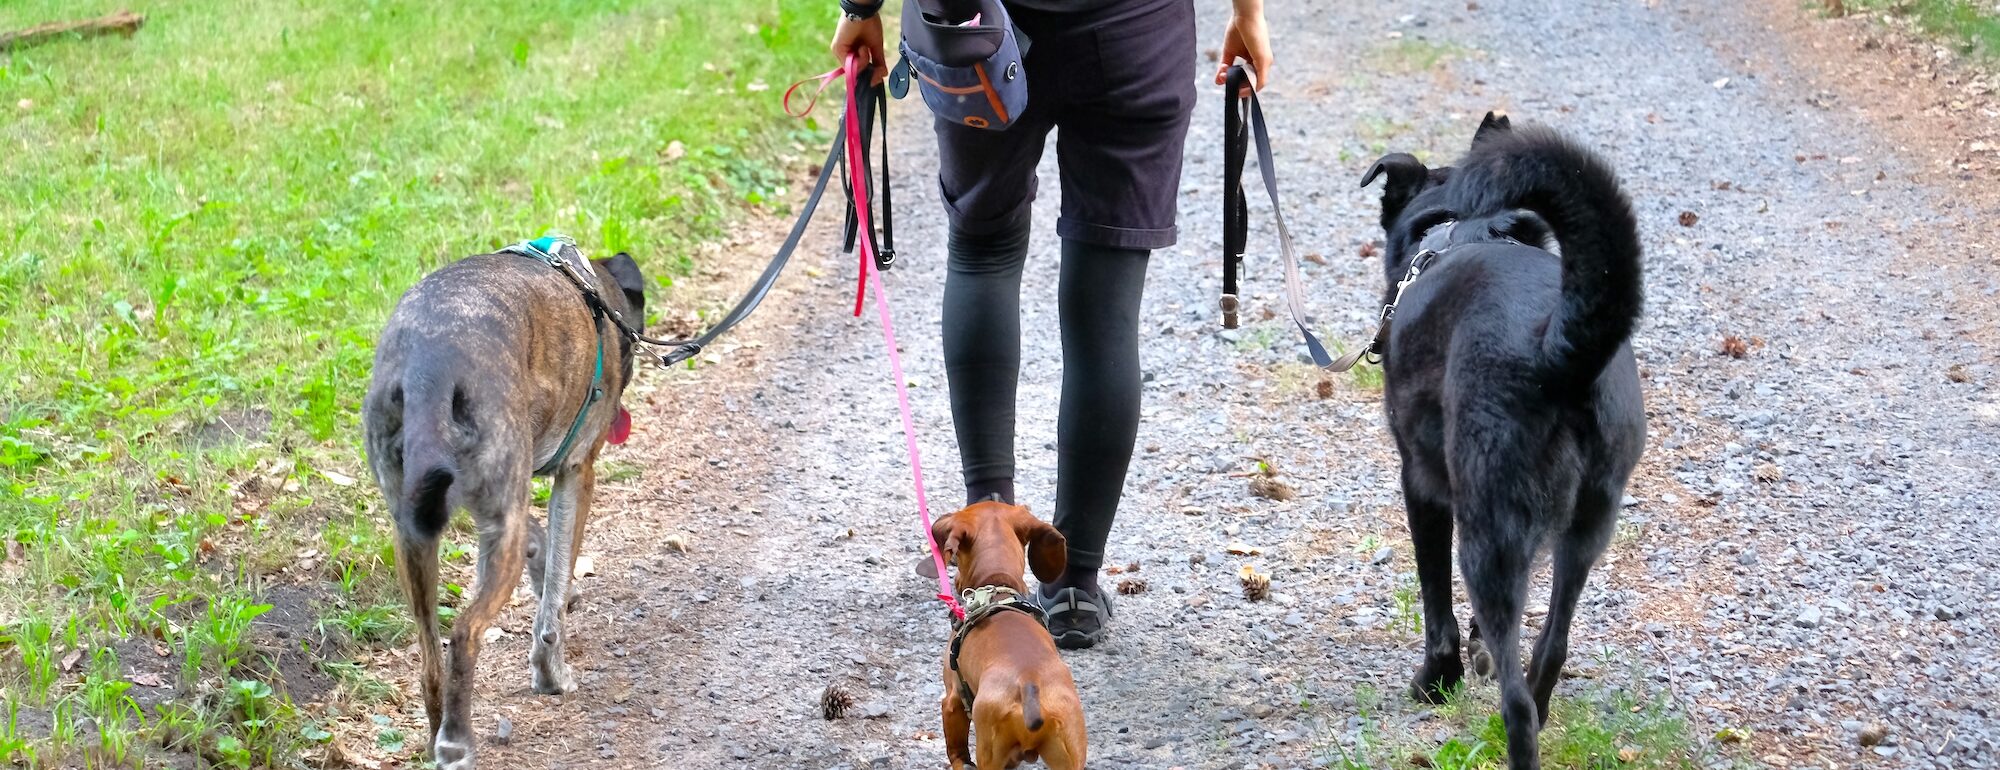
(1240, 99)
(825, 79)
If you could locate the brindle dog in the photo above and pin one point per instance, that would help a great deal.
(478, 379)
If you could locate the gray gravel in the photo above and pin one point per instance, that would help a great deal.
(1810, 553)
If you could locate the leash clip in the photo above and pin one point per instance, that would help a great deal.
(679, 354)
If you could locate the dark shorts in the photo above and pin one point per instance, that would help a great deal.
(1118, 81)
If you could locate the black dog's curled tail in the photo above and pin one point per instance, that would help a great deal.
(1578, 194)
(428, 469)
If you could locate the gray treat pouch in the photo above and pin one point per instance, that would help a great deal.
(970, 75)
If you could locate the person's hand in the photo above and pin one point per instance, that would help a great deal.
(1249, 39)
(863, 39)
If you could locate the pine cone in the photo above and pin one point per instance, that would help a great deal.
(1256, 585)
(834, 703)
(1130, 586)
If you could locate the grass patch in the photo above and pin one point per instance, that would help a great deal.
(198, 244)
(1407, 56)
(1974, 27)
(1598, 727)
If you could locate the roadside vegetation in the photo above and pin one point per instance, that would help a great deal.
(202, 227)
(1971, 25)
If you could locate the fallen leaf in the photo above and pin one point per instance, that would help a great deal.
(69, 661)
(1237, 548)
(1272, 489)
(678, 542)
(1628, 754)
(339, 479)
(1371, 249)
(148, 680)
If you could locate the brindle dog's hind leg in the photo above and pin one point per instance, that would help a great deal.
(501, 513)
(569, 507)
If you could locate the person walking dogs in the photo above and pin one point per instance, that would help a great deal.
(1115, 77)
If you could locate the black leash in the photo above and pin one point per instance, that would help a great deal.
(1236, 209)
(874, 108)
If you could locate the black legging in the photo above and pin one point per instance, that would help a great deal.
(1098, 418)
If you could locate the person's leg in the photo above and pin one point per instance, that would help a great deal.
(1098, 420)
(982, 352)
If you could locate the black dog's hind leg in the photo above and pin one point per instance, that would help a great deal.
(1576, 551)
(1496, 554)
(1430, 535)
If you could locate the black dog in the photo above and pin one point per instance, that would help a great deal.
(1511, 389)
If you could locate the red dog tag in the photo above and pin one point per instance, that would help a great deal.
(621, 427)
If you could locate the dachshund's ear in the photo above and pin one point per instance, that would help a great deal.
(949, 538)
(1406, 177)
(1493, 127)
(1048, 550)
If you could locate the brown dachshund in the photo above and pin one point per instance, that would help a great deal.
(1002, 673)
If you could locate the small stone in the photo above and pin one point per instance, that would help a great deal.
(1383, 555)
(503, 734)
(1262, 710)
(1874, 734)
(1808, 618)
(876, 710)
(1945, 613)
(604, 751)
(1197, 558)
(1628, 501)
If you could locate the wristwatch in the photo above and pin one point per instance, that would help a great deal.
(860, 10)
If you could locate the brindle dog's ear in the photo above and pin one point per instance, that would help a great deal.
(1407, 177)
(625, 271)
(1048, 550)
(1494, 126)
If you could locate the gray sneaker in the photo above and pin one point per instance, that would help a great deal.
(1076, 617)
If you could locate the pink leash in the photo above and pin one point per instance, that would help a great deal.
(858, 182)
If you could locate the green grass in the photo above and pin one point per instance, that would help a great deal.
(201, 231)
(1973, 25)
(1599, 727)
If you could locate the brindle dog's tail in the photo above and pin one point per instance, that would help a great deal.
(1031, 706)
(1578, 194)
(428, 467)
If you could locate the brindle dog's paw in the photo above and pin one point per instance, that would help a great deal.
(1436, 679)
(554, 680)
(451, 754)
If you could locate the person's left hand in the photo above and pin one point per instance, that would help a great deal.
(1248, 39)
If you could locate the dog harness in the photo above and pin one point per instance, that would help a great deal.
(561, 253)
(982, 603)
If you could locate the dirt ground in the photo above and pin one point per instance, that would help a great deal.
(1810, 548)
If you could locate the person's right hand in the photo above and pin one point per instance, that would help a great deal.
(1249, 40)
(862, 39)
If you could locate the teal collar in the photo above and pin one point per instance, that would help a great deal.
(556, 251)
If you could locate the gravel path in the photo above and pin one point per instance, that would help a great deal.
(1812, 548)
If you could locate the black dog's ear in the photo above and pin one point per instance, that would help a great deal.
(625, 271)
(1492, 127)
(1407, 177)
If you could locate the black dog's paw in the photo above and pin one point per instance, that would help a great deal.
(1436, 680)
(1482, 661)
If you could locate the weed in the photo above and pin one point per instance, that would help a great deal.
(1408, 617)
(358, 683)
